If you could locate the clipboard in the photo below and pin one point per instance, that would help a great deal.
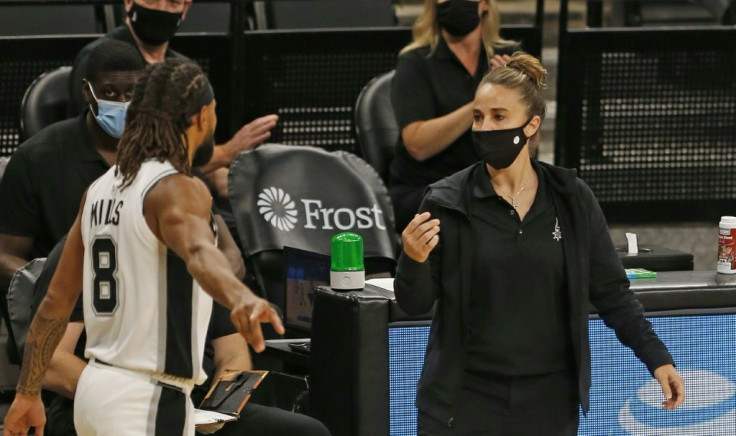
(229, 393)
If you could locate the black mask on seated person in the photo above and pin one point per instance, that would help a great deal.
(500, 148)
(204, 152)
(458, 17)
(152, 26)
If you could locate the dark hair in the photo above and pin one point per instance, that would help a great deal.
(166, 96)
(112, 55)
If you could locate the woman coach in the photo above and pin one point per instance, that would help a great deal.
(523, 249)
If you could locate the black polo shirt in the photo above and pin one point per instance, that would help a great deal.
(519, 323)
(44, 182)
(79, 69)
(430, 85)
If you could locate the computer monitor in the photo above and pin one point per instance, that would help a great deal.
(305, 270)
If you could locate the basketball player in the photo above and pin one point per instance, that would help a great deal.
(140, 249)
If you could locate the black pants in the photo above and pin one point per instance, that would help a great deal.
(59, 415)
(255, 420)
(511, 406)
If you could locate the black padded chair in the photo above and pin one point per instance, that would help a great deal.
(375, 124)
(45, 102)
(301, 196)
(20, 300)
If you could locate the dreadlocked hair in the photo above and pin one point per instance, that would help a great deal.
(159, 115)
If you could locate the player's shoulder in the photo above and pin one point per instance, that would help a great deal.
(180, 188)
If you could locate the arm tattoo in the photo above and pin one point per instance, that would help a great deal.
(43, 337)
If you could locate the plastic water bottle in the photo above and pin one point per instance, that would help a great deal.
(726, 245)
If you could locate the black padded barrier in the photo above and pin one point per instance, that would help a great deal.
(648, 117)
(25, 58)
(312, 78)
(349, 377)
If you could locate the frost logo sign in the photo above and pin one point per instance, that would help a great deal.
(277, 207)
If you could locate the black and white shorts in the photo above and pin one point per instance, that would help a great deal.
(115, 401)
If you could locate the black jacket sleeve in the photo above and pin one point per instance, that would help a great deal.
(417, 284)
(611, 295)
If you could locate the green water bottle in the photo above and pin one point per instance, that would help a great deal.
(347, 271)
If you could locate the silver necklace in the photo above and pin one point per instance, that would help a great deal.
(513, 198)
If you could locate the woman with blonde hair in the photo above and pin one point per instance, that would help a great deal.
(455, 43)
(511, 252)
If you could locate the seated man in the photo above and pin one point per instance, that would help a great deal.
(224, 349)
(149, 26)
(45, 179)
(47, 175)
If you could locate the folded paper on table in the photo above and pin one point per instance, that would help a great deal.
(384, 283)
(202, 417)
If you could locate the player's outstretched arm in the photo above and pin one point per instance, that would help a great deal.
(46, 331)
(177, 209)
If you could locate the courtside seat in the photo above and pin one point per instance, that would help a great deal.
(301, 196)
(45, 102)
(375, 123)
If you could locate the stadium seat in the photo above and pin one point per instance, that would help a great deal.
(375, 124)
(45, 102)
(20, 299)
(301, 196)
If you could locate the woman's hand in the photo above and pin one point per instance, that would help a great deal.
(499, 61)
(673, 387)
(421, 236)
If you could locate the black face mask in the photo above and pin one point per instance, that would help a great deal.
(205, 151)
(458, 17)
(499, 148)
(152, 26)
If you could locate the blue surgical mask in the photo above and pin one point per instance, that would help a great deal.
(110, 115)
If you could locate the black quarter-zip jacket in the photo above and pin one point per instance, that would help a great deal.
(593, 271)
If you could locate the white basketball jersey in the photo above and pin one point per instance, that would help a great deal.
(142, 309)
